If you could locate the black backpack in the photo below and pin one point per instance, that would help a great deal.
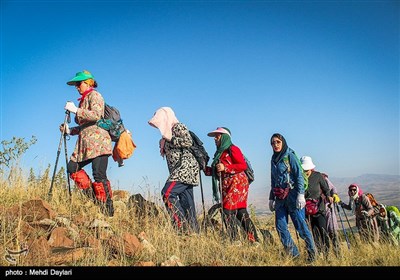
(198, 150)
(112, 122)
(249, 170)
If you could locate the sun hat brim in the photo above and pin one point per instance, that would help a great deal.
(219, 130)
(79, 77)
(307, 163)
(308, 166)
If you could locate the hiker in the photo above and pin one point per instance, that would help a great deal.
(383, 224)
(394, 223)
(93, 144)
(286, 197)
(228, 167)
(362, 208)
(177, 192)
(331, 219)
(315, 194)
(389, 224)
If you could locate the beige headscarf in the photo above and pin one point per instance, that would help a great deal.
(357, 193)
(164, 119)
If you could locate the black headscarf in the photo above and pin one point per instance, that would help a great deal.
(277, 156)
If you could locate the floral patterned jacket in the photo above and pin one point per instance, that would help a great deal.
(93, 141)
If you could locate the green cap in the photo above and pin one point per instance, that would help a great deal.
(80, 76)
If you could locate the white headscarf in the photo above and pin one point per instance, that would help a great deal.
(357, 193)
(164, 119)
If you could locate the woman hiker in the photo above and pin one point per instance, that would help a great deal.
(229, 163)
(93, 145)
(286, 197)
(177, 192)
(318, 194)
(361, 206)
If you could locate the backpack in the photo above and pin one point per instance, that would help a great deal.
(111, 122)
(393, 209)
(374, 203)
(305, 178)
(124, 148)
(198, 151)
(249, 170)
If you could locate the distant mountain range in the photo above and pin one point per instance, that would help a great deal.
(385, 188)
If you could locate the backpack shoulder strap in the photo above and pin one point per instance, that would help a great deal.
(287, 163)
(195, 138)
(230, 150)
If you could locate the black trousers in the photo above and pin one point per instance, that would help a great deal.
(320, 232)
(99, 167)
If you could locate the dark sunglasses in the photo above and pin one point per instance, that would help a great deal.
(78, 84)
(353, 190)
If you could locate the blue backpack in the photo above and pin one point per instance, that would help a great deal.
(112, 122)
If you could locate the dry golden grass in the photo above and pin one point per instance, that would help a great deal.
(208, 248)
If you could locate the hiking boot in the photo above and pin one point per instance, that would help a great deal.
(107, 209)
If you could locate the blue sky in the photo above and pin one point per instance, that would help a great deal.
(325, 74)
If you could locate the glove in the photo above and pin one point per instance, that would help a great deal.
(364, 213)
(67, 131)
(272, 205)
(70, 106)
(336, 198)
(300, 201)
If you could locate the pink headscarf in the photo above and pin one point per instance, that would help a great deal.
(164, 119)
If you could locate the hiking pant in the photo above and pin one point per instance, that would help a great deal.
(319, 232)
(231, 219)
(100, 190)
(179, 201)
(298, 218)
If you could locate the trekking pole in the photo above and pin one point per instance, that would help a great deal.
(66, 155)
(58, 154)
(348, 223)
(202, 200)
(344, 230)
